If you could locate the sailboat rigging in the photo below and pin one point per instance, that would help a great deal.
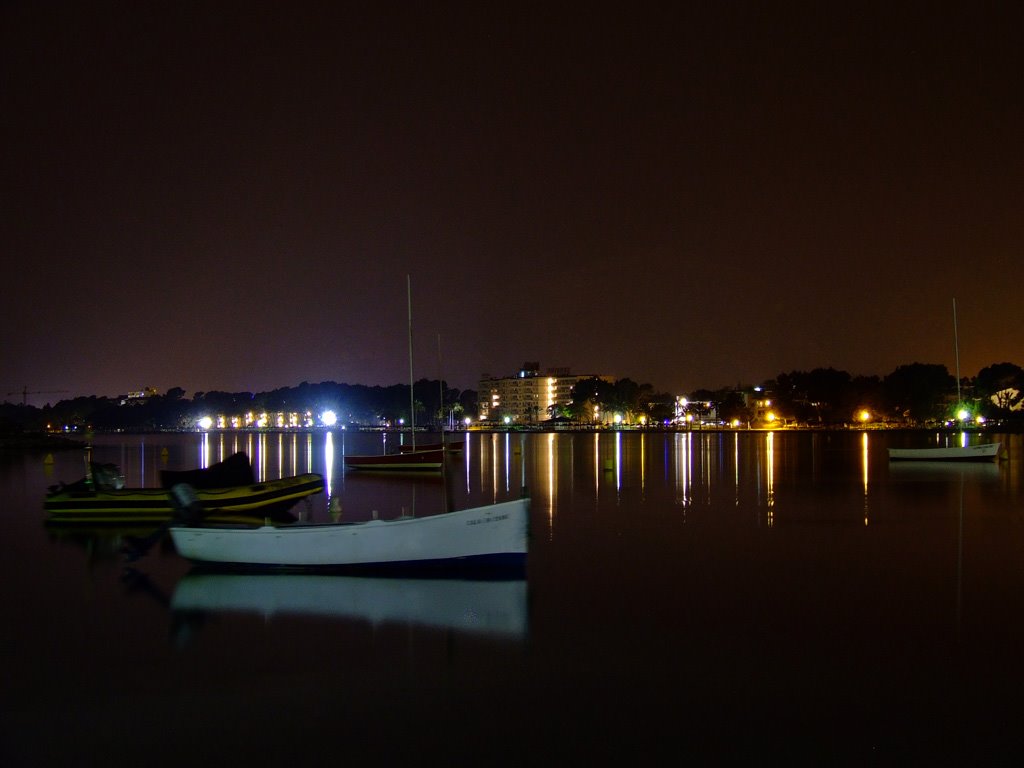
(427, 458)
(965, 452)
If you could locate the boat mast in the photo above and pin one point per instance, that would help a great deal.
(956, 349)
(412, 403)
(440, 385)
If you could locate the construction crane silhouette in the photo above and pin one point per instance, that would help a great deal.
(25, 393)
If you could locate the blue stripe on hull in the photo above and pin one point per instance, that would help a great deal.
(501, 565)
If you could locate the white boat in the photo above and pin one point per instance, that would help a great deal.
(492, 607)
(980, 452)
(492, 536)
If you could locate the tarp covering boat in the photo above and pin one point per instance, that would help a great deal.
(234, 470)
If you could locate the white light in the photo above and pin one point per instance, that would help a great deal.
(205, 423)
(329, 418)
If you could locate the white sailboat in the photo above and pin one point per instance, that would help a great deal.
(965, 452)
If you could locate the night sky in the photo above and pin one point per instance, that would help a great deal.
(221, 196)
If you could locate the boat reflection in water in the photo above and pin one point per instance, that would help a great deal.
(495, 608)
(943, 470)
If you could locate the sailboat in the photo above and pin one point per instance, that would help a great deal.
(980, 452)
(428, 458)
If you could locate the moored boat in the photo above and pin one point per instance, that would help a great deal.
(488, 537)
(417, 460)
(412, 458)
(227, 490)
(980, 452)
(454, 446)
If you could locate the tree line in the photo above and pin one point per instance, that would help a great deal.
(918, 393)
(433, 403)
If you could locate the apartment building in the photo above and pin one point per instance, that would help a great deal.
(528, 396)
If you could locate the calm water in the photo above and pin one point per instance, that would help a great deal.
(698, 595)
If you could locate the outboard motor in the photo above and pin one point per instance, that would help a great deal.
(188, 509)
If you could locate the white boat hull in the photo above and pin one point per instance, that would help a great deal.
(491, 535)
(983, 452)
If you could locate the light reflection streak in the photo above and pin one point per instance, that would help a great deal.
(551, 486)
(261, 458)
(707, 462)
(494, 467)
(643, 462)
(521, 451)
(329, 465)
(597, 467)
(864, 467)
(291, 457)
(508, 462)
(683, 458)
(618, 461)
(736, 465)
(770, 469)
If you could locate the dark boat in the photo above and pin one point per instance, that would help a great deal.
(452, 447)
(418, 460)
(227, 489)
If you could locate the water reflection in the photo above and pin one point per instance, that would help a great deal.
(863, 634)
(493, 608)
(944, 470)
(754, 471)
(865, 465)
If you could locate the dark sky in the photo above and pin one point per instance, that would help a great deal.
(220, 196)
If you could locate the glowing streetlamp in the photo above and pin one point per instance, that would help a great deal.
(329, 418)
